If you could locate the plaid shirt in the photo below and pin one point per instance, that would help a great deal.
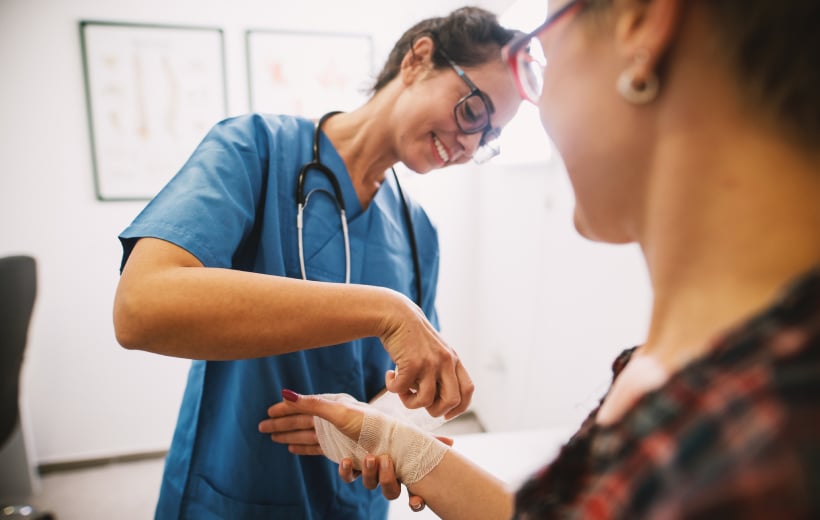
(735, 434)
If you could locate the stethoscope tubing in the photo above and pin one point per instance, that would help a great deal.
(302, 199)
(300, 210)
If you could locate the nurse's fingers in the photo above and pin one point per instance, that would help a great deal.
(295, 422)
(439, 385)
(347, 472)
(448, 390)
(446, 440)
(295, 437)
(305, 449)
(421, 393)
(454, 391)
(391, 488)
(424, 396)
(379, 471)
(370, 472)
(403, 381)
(466, 388)
(416, 503)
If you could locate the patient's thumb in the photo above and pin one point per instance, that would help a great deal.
(290, 395)
(309, 404)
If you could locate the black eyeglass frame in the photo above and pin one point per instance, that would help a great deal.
(511, 50)
(489, 133)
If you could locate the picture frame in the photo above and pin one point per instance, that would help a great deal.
(152, 93)
(307, 73)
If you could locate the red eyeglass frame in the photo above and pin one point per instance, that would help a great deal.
(511, 50)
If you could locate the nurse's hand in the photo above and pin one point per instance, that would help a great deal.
(287, 426)
(428, 373)
(380, 471)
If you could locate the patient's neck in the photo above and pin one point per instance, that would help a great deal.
(728, 226)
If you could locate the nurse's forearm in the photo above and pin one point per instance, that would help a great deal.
(458, 489)
(167, 303)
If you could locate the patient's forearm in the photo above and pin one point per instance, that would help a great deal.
(451, 485)
(459, 489)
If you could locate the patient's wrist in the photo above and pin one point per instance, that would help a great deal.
(414, 452)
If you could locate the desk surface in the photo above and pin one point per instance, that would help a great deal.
(511, 456)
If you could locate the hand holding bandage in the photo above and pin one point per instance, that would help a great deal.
(350, 429)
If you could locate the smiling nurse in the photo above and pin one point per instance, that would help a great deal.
(215, 270)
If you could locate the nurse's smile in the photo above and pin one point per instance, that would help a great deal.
(441, 151)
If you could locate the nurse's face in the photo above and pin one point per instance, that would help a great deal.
(433, 133)
(601, 138)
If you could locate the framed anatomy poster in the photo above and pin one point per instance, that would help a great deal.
(153, 91)
(307, 74)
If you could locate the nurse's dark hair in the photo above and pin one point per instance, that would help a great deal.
(774, 49)
(470, 36)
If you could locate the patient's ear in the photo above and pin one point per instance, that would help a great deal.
(647, 29)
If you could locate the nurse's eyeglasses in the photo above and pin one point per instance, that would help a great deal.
(472, 113)
(526, 59)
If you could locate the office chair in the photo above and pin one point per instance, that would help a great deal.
(18, 287)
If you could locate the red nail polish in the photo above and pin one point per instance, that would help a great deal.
(290, 395)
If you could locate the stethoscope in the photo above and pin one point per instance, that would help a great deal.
(302, 200)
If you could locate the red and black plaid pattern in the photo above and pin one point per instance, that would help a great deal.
(734, 435)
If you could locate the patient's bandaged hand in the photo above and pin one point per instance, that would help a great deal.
(414, 452)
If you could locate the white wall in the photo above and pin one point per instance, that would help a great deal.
(555, 308)
(85, 397)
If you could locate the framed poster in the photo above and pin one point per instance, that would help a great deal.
(152, 93)
(307, 74)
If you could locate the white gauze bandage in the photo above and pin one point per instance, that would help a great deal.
(414, 452)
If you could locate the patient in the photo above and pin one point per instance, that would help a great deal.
(693, 129)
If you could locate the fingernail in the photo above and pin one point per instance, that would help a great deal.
(290, 395)
(369, 462)
(417, 507)
(346, 465)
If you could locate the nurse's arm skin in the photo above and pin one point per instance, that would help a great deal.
(455, 489)
(168, 303)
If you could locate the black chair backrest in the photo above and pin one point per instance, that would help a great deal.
(18, 288)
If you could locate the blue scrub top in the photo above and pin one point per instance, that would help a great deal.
(232, 205)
